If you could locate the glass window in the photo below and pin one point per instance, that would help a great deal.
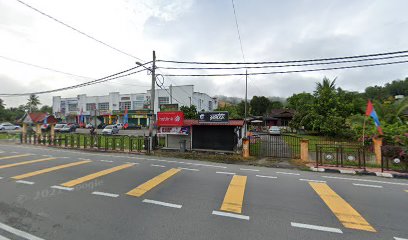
(137, 105)
(73, 107)
(163, 100)
(124, 105)
(210, 106)
(90, 106)
(103, 106)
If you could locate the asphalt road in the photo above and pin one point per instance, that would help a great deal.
(186, 199)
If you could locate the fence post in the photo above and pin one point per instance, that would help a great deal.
(377, 149)
(304, 150)
(245, 147)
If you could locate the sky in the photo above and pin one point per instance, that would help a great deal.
(193, 30)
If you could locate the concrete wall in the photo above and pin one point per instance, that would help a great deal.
(172, 141)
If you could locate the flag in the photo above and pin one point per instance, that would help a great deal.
(80, 118)
(370, 112)
(45, 121)
(125, 119)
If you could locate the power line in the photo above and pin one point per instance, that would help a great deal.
(44, 68)
(281, 66)
(96, 81)
(282, 72)
(290, 61)
(78, 31)
(239, 34)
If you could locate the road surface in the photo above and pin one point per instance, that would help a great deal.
(49, 193)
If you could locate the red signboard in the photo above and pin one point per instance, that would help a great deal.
(170, 119)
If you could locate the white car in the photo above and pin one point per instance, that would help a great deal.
(110, 129)
(274, 130)
(8, 126)
(120, 125)
(89, 125)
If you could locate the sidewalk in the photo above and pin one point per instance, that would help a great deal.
(351, 170)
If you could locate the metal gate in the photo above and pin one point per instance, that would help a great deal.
(278, 146)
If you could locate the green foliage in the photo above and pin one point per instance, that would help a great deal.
(398, 87)
(232, 111)
(32, 103)
(189, 112)
(46, 109)
(259, 105)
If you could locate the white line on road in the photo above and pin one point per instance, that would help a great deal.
(366, 180)
(63, 188)
(310, 180)
(366, 185)
(207, 165)
(106, 194)
(263, 176)
(154, 165)
(4, 238)
(189, 169)
(248, 169)
(106, 161)
(397, 238)
(18, 232)
(14, 152)
(232, 215)
(288, 173)
(228, 173)
(25, 182)
(316, 227)
(162, 203)
(132, 162)
(1, 177)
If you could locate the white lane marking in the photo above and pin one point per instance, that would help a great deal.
(264, 176)
(25, 182)
(228, 173)
(132, 162)
(14, 152)
(189, 169)
(316, 227)
(106, 161)
(207, 165)
(288, 173)
(4, 238)
(1, 177)
(18, 232)
(366, 180)
(397, 238)
(64, 157)
(248, 169)
(84, 159)
(63, 188)
(106, 194)
(366, 185)
(162, 203)
(232, 215)
(154, 165)
(311, 180)
(46, 155)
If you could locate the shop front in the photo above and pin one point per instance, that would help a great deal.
(136, 118)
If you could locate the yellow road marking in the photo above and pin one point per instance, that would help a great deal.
(96, 175)
(234, 197)
(46, 170)
(147, 186)
(346, 214)
(26, 162)
(406, 190)
(15, 156)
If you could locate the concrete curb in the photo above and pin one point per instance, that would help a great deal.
(344, 171)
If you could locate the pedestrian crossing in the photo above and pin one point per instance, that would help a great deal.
(233, 205)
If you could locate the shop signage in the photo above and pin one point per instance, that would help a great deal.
(170, 119)
(213, 117)
(168, 107)
(137, 112)
(174, 130)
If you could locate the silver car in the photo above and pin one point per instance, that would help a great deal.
(8, 126)
(110, 129)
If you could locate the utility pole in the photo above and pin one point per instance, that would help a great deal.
(246, 100)
(152, 98)
(171, 94)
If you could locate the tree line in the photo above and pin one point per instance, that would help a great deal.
(12, 114)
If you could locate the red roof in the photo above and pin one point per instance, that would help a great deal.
(38, 117)
(191, 122)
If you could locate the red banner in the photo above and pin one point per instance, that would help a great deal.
(170, 119)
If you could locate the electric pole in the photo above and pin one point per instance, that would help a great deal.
(152, 98)
(246, 99)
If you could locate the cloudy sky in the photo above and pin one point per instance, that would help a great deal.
(193, 30)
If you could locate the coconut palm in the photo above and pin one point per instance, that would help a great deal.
(33, 102)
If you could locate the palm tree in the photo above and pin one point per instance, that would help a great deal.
(327, 84)
(33, 102)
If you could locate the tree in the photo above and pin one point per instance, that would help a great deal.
(46, 109)
(241, 109)
(189, 112)
(259, 105)
(2, 105)
(302, 103)
(33, 102)
(232, 111)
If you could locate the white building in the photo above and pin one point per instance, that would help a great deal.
(110, 108)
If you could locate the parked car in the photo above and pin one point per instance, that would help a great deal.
(8, 126)
(59, 126)
(110, 129)
(133, 126)
(119, 125)
(89, 125)
(73, 125)
(68, 128)
(101, 126)
(274, 130)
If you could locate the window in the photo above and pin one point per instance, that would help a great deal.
(163, 100)
(124, 105)
(210, 105)
(103, 106)
(125, 98)
(73, 107)
(137, 105)
(90, 106)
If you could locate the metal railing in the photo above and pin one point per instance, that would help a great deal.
(394, 158)
(341, 155)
